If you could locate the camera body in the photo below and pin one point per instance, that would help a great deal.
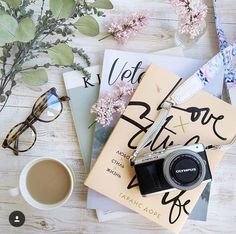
(176, 167)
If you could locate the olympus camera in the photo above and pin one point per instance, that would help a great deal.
(176, 167)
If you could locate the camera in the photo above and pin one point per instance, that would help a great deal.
(176, 167)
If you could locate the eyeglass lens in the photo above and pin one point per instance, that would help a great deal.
(48, 107)
(22, 137)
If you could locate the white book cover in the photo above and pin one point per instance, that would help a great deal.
(108, 215)
(232, 95)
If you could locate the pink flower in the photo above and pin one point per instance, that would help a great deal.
(192, 14)
(104, 109)
(122, 28)
(110, 104)
(119, 106)
(123, 88)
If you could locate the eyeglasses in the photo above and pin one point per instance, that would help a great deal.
(23, 136)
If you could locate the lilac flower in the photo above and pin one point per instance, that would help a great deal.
(122, 28)
(192, 28)
(110, 104)
(119, 106)
(192, 14)
(104, 109)
(123, 88)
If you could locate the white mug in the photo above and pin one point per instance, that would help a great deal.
(23, 191)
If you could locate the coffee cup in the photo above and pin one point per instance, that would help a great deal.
(45, 183)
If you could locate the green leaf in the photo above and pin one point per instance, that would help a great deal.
(62, 8)
(13, 3)
(8, 26)
(88, 26)
(35, 78)
(3, 12)
(26, 30)
(102, 4)
(61, 54)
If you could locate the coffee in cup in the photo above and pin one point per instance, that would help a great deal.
(45, 183)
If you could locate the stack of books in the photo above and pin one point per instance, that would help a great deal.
(113, 190)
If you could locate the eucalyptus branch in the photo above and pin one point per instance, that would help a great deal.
(13, 71)
(41, 10)
(46, 45)
(10, 77)
(86, 9)
(69, 25)
(25, 39)
(74, 66)
(49, 30)
(46, 65)
(82, 54)
(4, 104)
(78, 67)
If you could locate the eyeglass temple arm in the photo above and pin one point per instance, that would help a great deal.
(16, 144)
(64, 98)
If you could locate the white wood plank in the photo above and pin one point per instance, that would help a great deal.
(58, 139)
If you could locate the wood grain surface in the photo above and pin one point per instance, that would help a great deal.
(58, 139)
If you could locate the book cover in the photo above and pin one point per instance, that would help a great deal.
(203, 118)
(232, 95)
(107, 215)
(127, 66)
(83, 94)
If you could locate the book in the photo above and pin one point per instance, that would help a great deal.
(83, 94)
(77, 90)
(118, 64)
(80, 88)
(107, 215)
(197, 120)
(232, 95)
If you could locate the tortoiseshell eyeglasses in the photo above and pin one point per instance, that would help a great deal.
(23, 136)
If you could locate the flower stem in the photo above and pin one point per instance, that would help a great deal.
(92, 124)
(109, 35)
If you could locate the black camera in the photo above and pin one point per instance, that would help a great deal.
(176, 167)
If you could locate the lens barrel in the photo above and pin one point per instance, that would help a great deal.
(184, 169)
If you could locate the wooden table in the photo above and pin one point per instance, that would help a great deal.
(58, 139)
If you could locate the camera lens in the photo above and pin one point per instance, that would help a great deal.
(184, 169)
(183, 175)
